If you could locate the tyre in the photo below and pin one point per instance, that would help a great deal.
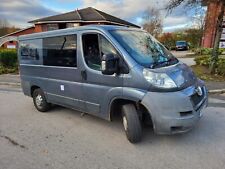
(40, 101)
(131, 123)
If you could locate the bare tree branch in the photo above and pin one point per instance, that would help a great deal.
(152, 21)
(190, 3)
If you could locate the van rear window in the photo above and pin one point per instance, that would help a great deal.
(60, 51)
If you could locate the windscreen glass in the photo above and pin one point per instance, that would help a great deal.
(143, 48)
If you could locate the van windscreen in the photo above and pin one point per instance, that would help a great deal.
(144, 48)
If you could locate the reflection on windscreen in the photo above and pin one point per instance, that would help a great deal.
(143, 48)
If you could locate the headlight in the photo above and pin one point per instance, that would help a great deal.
(160, 80)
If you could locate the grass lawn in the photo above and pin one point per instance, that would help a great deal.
(203, 73)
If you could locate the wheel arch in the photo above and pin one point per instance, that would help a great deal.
(33, 87)
(116, 104)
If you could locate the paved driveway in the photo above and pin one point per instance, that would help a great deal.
(188, 61)
(181, 56)
(9, 78)
(63, 139)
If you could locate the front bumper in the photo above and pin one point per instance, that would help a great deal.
(176, 112)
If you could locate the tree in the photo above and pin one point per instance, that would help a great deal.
(199, 18)
(192, 36)
(152, 21)
(168, 39)
(199, 24)
(192, 3)
(5, 27)
(219, 31)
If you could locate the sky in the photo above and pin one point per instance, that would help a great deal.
(19, 12)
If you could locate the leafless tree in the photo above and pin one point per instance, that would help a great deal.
(192, 3)
(3, 26)
(199, 18)
(152, 21)
(6, 28)
(199, 22)
(4, 23)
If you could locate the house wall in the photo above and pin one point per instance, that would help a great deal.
(213, 12)
(9, 44)
(38, 28)
(46, 27)
(12, 44)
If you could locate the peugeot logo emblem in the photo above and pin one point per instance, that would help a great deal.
(199, 91)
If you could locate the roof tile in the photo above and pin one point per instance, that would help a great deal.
(84, 15)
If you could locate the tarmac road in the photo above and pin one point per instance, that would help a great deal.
(63, 139)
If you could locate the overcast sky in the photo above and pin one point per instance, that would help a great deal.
(19, 12)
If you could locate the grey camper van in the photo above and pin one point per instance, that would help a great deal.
(105, 70)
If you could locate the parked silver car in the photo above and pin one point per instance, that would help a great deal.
(108, 70)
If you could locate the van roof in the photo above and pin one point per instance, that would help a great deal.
(72, 30)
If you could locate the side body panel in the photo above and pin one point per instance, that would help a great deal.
(62, 85)
(98, 89)
(93, 95)
(101, 90)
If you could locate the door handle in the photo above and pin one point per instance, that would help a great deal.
(84, 74)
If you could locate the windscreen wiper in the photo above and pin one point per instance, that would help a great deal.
(168, 62)
(160, 64)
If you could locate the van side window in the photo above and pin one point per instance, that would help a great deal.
(60, 51)
(94, 47)
(106, 47)
(91, 51)
(29, 50)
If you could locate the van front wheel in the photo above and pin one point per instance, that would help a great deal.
(40, 101)
(131, 123)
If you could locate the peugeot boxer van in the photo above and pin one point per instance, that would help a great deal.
(108, 70)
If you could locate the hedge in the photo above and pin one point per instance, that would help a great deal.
(206, 51)
(8, 58)
(221, 66)
(205, 60)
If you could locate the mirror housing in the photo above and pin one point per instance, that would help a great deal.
(109, 64)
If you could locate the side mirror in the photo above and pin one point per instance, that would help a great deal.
(109, 64)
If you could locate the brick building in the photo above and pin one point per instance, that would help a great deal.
(74, 18)
(10, 39)
(213, 12)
